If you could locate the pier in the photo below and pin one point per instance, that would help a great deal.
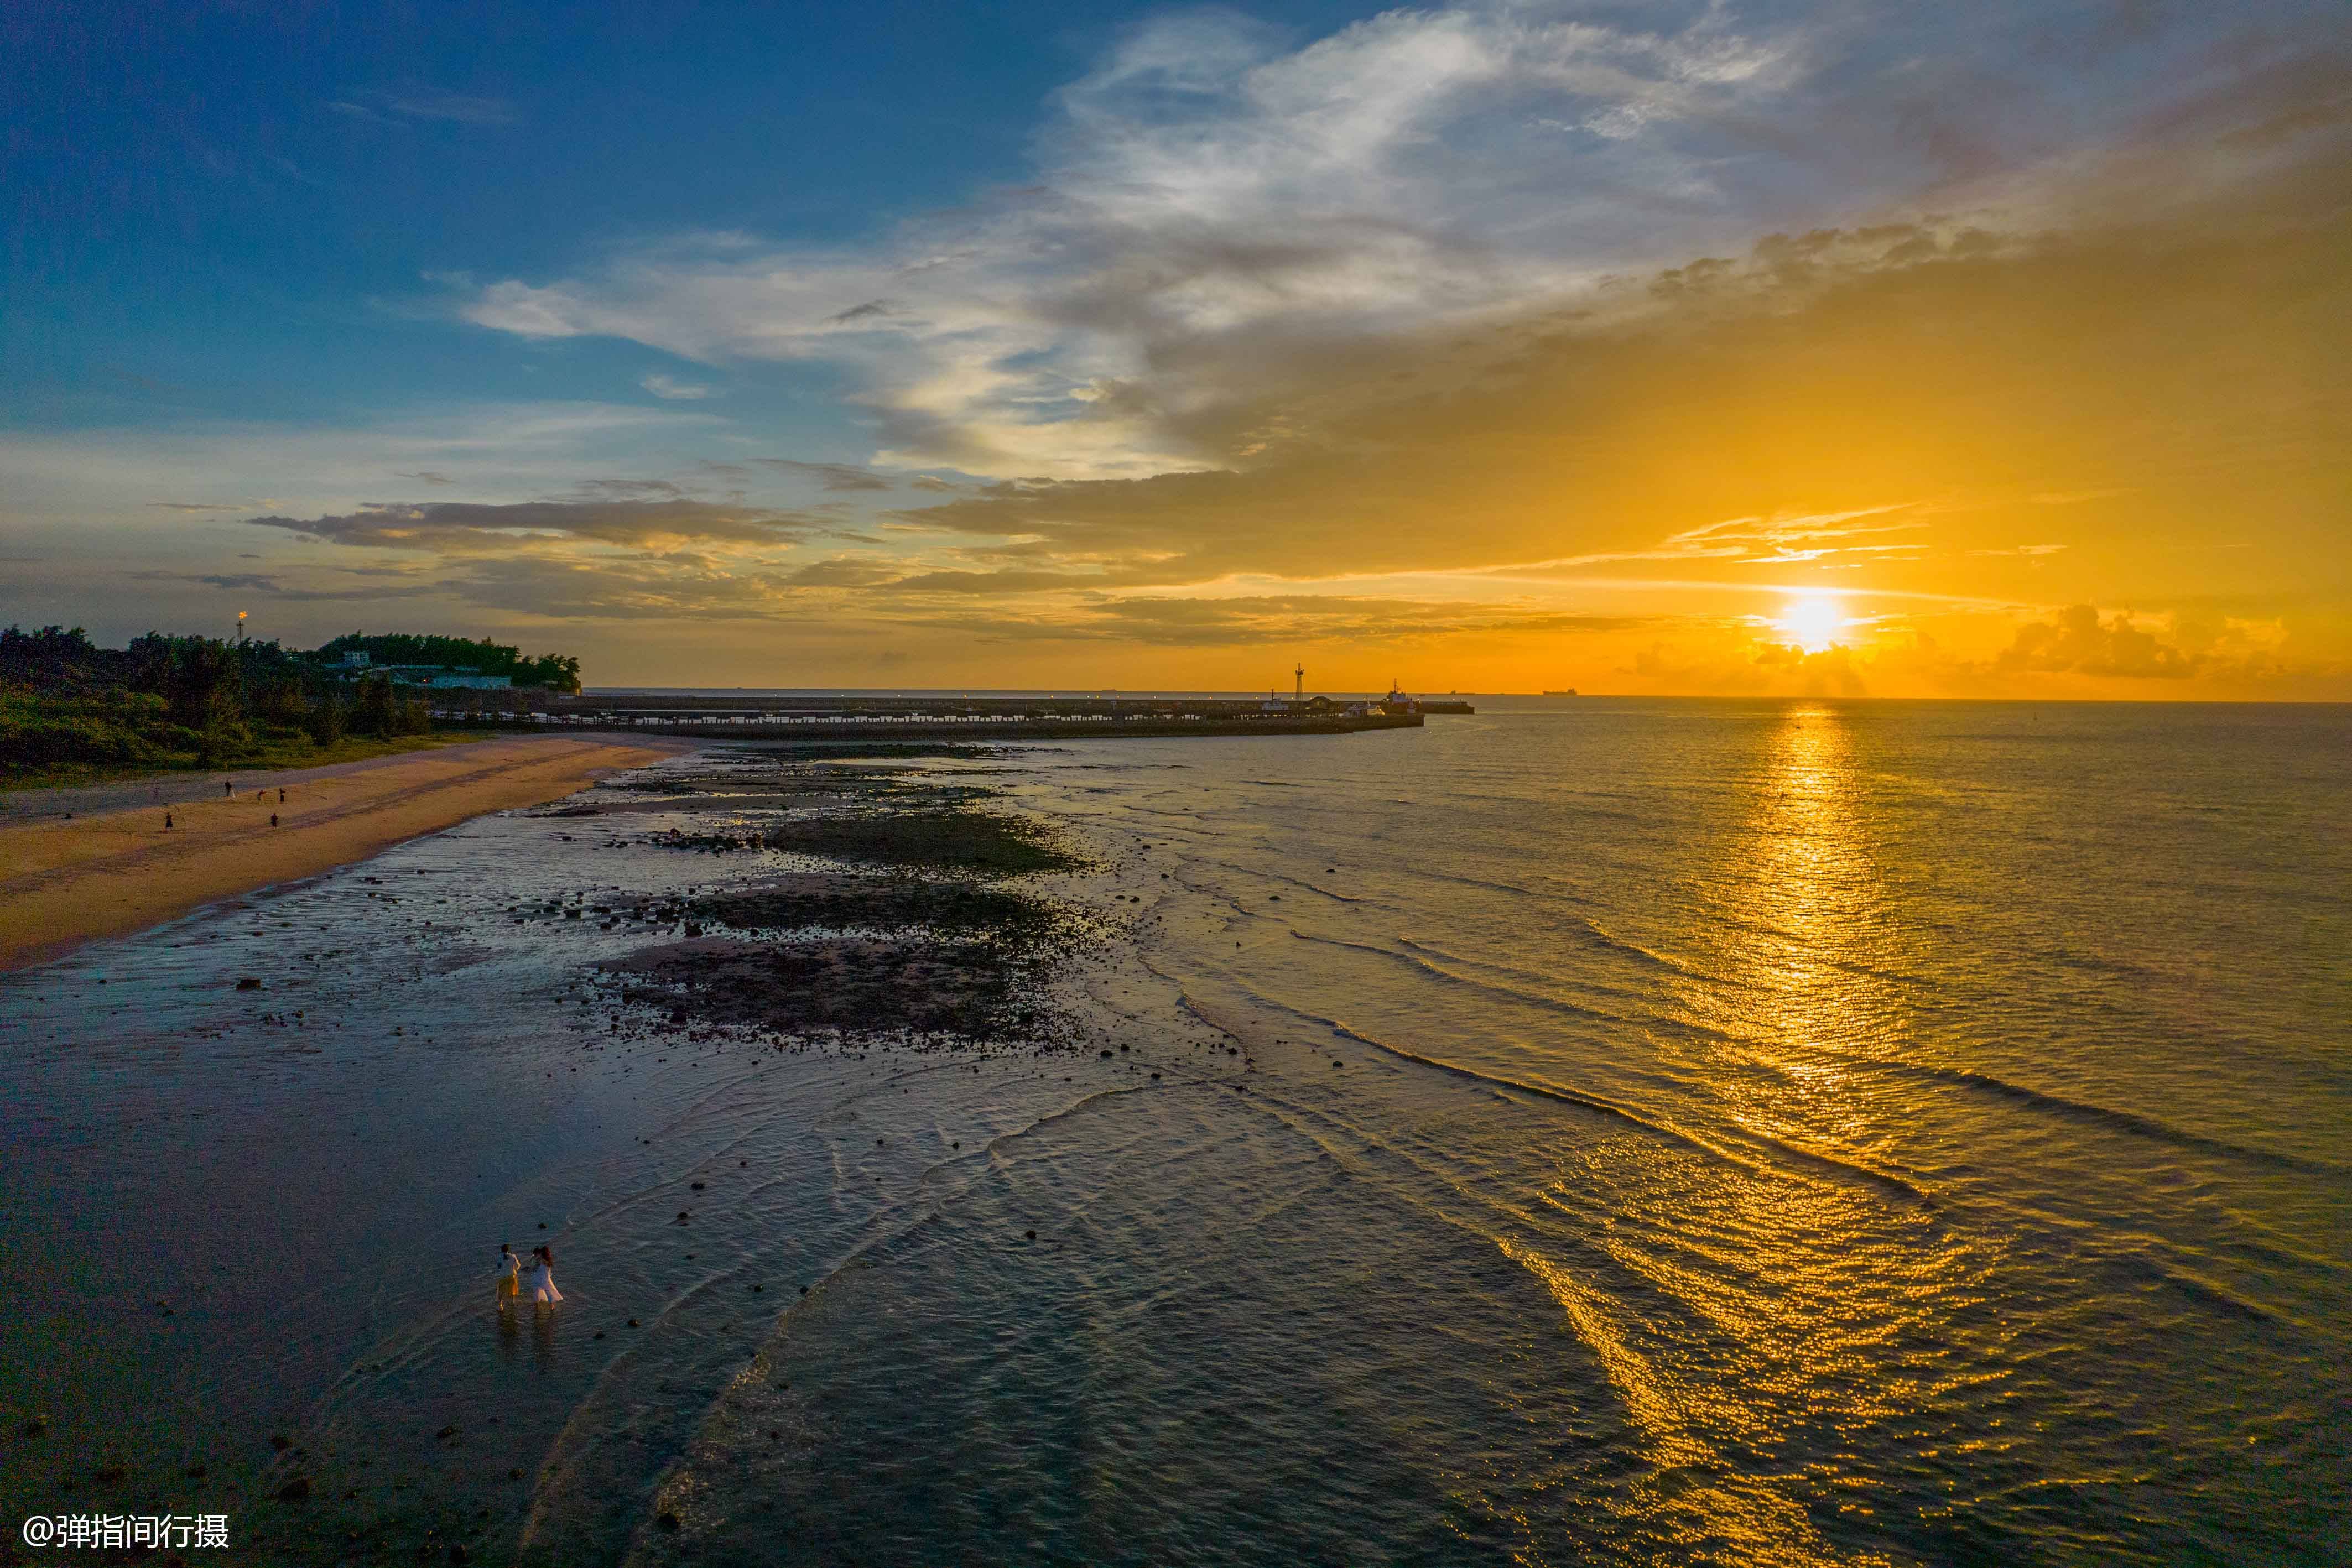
(929, 716)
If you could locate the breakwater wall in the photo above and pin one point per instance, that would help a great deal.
(919, 716)
(934, 727)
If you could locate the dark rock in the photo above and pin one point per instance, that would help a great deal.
(632, 1322)
(698, 1186)
(757, 1289)
(195, 1472)
(280, 1441)
(247, 983)
(457, 1552)
(515, 1474)
(1339, 1064)
(668, 1520)
(1031, 1234)
(446, 1433)
(295, 1491)
(108, 1475)
(35, 1427)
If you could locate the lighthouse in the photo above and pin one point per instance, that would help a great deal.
(1299, 691)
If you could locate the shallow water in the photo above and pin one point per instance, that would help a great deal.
(1602, 1131)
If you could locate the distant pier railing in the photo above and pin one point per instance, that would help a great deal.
(859, 716)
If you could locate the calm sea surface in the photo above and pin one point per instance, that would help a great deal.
(1586, 1131)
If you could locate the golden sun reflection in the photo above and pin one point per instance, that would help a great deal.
(1801, 1241)
(1813, 884)
(1812, 621)
(1817, 954)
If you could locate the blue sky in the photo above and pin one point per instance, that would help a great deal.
(254, 211)
(989, 341)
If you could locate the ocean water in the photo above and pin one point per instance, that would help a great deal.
(1586, 1131)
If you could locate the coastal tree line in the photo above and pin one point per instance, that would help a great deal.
(555, 672)
(67, 705)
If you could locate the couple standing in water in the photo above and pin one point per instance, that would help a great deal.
(542, 1276)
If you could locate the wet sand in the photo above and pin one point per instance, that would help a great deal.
(66, 881)
(319, 1099)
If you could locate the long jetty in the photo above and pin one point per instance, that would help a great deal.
(902, 716)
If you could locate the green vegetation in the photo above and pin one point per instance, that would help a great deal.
(72, 711)
(556, 671)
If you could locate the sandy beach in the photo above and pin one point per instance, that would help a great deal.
(65, 881)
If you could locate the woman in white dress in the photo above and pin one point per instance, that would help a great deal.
(542, 1280)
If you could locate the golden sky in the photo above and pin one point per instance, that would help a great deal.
(1322, 372)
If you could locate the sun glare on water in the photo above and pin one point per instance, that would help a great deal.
(1812, 622)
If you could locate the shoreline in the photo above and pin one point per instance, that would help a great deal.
(91, 797)
(77, 879)
(450, 1046)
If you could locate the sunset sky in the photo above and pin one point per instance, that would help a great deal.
(1999, 350)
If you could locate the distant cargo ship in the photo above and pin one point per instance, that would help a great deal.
(1569, 693)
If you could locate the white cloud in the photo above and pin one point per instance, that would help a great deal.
(1218, 213)
(506, 451)
(424, 103)
(1207, 197)
(674, 389)
(461, 108)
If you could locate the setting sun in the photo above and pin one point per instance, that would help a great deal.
(1755, 593)
(1812, 622)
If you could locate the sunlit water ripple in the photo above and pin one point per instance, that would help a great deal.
(1599, 1132)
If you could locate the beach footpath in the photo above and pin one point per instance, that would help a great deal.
(81, 863)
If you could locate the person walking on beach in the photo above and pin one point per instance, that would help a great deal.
(543, 1293)
(510, 1275)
